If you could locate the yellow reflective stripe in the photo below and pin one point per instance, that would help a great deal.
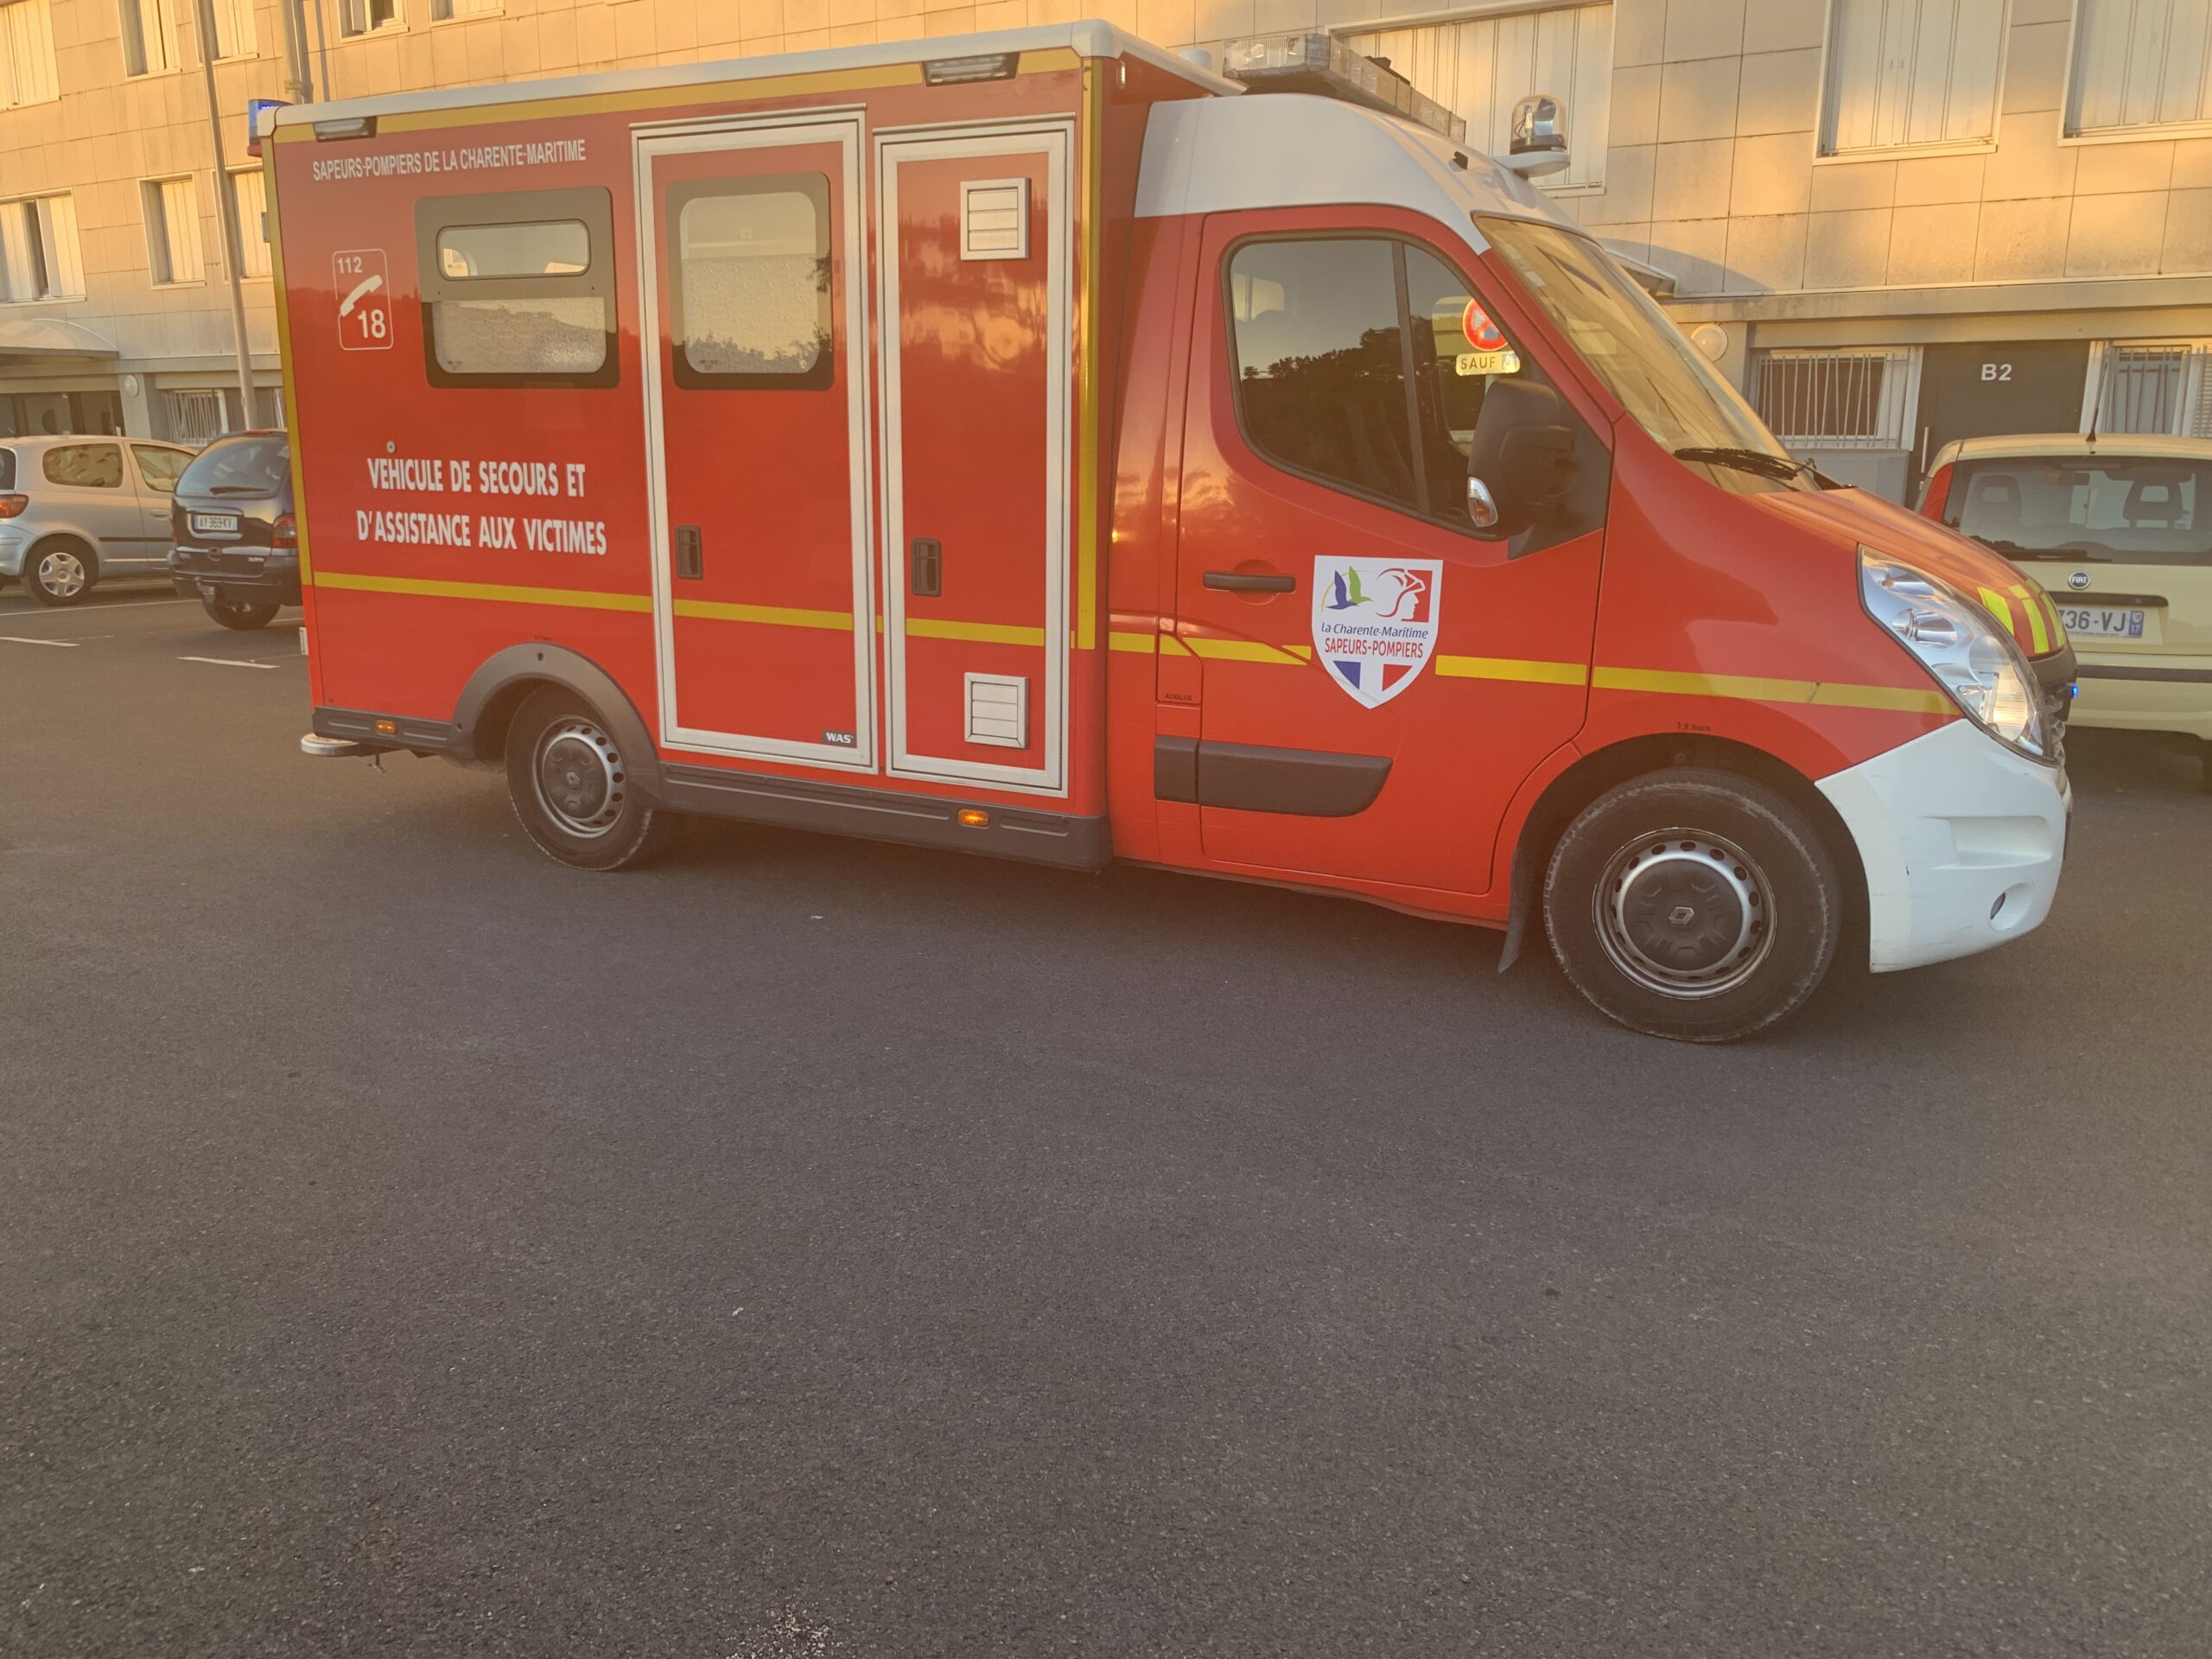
(1512, 668)
(1247, 650)
(1993, 602)
(774, 616)
(2036, 632)
(1118, 640)
(983, 633)
(574, 598)
(1171, 646)
(1751, 689)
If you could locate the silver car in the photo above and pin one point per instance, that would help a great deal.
(76, 510)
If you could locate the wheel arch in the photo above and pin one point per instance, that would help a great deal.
(1591, 776)
(487, 705)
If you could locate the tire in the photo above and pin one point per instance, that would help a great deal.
(59, 572)
(239, 614)
(568, 787)
(1694, 903)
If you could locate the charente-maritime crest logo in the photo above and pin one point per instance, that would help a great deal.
(1374, 622)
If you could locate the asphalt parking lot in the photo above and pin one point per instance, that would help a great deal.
(805, 1248)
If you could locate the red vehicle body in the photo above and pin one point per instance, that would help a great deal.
(955, 449)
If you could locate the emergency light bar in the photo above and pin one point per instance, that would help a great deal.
(1322, 64)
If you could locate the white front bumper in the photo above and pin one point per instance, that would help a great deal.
(1962, 840)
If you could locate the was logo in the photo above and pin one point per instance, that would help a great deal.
(1374, 622)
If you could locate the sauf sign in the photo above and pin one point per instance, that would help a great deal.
(1374, 622)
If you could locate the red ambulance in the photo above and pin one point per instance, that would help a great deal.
(1039, 445)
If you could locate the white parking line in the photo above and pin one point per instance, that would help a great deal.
(92, 610)
(15, 640)
(225, 662)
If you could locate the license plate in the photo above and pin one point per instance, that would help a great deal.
(2094, 621)
(215, 524)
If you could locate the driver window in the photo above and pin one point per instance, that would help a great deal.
(1362, 363)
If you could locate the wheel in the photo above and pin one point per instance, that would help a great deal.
(1694, 903)
(237, 614)
(571, 790)
(58, 572)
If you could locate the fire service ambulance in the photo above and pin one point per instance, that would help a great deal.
(1037, 444)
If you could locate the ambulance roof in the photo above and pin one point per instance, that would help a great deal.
(1292, 149)
(1090, 39)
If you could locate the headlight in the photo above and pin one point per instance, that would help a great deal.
(1978, 662)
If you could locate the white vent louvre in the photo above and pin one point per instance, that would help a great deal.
(998, 710)
(994, 219)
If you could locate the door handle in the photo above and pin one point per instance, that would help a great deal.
(691, 561)
(1237, 582)
(925, 568)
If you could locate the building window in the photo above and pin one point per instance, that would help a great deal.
(2140, 63)
(1910, 73)
(1837, 400)
(366, 16)
(233, 29)
(1478, 69)
(172, 207)
(2163, 387)
(39, 258)
(149, 36)
(27, 53)
(249, 197)
(444, 11)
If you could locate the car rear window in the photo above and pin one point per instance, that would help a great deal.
(7, 469)
(2128, 509)
(240, 467)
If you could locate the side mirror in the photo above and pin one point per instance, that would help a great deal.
(1521, 462)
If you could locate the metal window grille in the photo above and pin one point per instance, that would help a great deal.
(1835, 400)
(2157, 389)
(195, 417)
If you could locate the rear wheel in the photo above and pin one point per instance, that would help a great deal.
(571, 789)
(58, 572)
(234, 613)
(1694, 903)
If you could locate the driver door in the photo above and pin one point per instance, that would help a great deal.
(1376, 680)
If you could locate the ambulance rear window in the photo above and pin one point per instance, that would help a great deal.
(517, 288)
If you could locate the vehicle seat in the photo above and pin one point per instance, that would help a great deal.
(1997, 503)
(2154, 502)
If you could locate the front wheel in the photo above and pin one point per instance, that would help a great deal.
(1694, 903)
(234, 613)
(571, 789)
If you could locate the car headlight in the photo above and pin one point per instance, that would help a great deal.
(1974, 659)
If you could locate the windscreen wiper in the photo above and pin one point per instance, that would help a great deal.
(2067, 554)
(1747, 460)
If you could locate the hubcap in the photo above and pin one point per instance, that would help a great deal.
(62, 573)
(1685, 913)
(579, 778)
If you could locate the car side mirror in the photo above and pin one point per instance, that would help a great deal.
(1521, 462)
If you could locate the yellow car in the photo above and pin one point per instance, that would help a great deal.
(2118, 528)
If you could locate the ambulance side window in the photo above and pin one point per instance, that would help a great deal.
(517, 288)
(749, 283)
(1354, 366)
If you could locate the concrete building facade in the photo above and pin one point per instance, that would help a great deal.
(1890, 223)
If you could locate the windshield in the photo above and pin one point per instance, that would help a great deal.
(1663, 381)
(2131, 509)
(240, 467)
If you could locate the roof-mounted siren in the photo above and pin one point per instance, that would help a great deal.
(1538, 137)
(1324, 65)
